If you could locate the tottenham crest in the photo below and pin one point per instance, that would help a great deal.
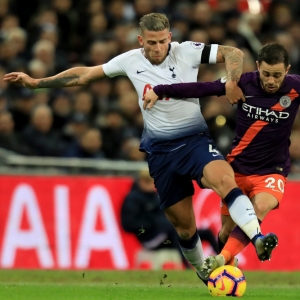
(285, 101)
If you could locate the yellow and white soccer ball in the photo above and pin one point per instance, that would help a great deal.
(227, 281)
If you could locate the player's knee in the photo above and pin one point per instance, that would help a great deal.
(184, 235)
(262, 208)
(226, 184)
(184, 232)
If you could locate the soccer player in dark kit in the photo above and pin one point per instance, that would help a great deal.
(259, 154)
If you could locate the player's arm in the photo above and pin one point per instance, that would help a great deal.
(71, 77)
(233, 59)
(183, 90)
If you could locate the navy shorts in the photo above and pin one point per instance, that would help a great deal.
(174, 171)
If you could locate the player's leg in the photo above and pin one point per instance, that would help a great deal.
(219, 176)
(237, 241)
(181, 215)
(266, 193)
(227, 227)
(227, 222)
(208, 236)
(175, 188)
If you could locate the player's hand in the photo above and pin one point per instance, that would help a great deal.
(149, 99)
(233, 92)
(20, 78)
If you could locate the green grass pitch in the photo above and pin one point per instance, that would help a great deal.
(136, 285)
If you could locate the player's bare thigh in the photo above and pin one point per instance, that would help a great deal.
(219, 176)
(182, 216)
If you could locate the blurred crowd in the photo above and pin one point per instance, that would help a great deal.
(103, 120)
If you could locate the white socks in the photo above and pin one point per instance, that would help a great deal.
(243, 214)
(194, 256)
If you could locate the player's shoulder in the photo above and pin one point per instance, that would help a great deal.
(175, 46)
(132, 53)
(292, 78)
(291, 83)
(129, 56)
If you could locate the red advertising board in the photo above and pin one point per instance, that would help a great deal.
(74, 223)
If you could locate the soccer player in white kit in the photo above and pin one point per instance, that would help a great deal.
(175, 133)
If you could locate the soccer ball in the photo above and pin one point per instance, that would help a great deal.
(227, 281)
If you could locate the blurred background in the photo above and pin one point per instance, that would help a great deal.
(96, 130)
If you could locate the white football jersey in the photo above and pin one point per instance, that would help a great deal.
(170, 121)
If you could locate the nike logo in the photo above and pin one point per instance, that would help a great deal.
(249, 96)
(249, 208)
(138, 72)
(222, 288)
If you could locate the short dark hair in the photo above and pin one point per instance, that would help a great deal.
(272, 54)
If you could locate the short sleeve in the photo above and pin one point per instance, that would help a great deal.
(115, 66)
(195, 52)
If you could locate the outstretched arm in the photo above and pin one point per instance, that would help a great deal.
(233, 59)
(183, 90)
(70, 77)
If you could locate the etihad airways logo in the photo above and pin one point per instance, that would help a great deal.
(262, 114)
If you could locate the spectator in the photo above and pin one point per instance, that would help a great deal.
(44, 17)
(22, 104)
(113, 128)
(62, 106)
(97, 31)
(99, 53)
(67, 22)
(142, 7)
(76, 127)
(102, 93)
(37, 68)
(201, 15)
(3, 100)
(9, 139)
(131, 151)
(18, 37)
(84, 104)
(88, 146)
(119, 12)
(40, 136)
(128, 103)
(44, 50)
(232, 20)
(141, 215)
(42, 37)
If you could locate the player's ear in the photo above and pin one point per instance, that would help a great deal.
(257, 65)
(170, 35)
(140, 39)
(287, 69)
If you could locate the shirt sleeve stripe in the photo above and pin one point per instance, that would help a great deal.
(213, 54)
